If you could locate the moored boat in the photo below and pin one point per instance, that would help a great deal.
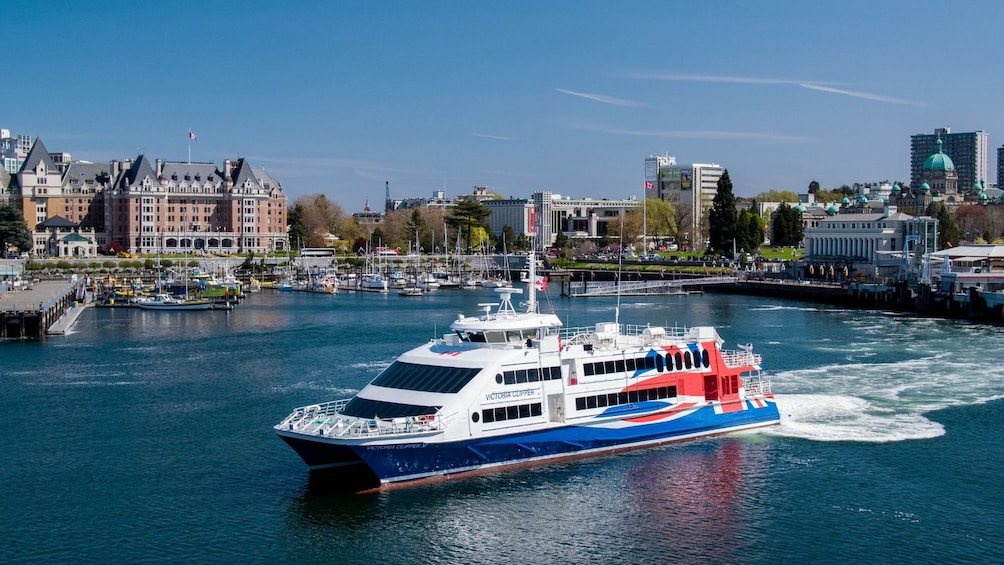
(513, 388)
(167, 302)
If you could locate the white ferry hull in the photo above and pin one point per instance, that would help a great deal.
(407, 461)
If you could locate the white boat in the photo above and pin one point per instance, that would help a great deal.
(411, 291)
(509, 388)
(168, 302)
(373, 282)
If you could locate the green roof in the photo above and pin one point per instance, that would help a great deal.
(939, 161)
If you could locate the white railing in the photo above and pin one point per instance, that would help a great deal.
(326, 420)
(741, 358)
(755, 383)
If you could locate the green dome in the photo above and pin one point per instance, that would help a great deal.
(895, 187)
(977, 186)
(833, 209)
(845, 201)
(925, 187)
(863, 199)
(800, 207)
(939, 161)
(983, 196)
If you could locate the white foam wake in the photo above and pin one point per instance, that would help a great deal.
(826, 417)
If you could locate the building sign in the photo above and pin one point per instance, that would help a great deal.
(686, 179)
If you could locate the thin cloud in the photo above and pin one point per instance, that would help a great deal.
(490, 136)
(698, 134)
(820, 86)
(865, 95)
(728, 79)
(602, 98)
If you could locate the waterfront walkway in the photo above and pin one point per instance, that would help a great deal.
(43, 308)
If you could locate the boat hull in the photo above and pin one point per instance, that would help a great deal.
(408, 461)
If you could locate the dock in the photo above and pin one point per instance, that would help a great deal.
(44, 308)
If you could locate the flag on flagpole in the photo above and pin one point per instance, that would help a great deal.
(192, 136)
(540, 283)
(649, 185)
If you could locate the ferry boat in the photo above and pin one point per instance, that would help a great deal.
(512, 388)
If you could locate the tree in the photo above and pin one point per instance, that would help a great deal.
(722, 217)
(13, 230)
(813, 187)
(508, 242)
(776, 196)
(467, 214)
(414, 227)
(948, 232)
(787, 226)
(749, 230)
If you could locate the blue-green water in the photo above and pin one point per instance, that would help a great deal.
(146, 436)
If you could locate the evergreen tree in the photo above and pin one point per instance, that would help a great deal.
(723, 217)
(414, 227)
(948, 232)
(467, 214)
(813, 187)
(508, 242)
(787, 226)
(13, 230)
(749, 231)
(298, 233)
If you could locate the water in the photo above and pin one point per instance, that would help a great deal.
(146, 437)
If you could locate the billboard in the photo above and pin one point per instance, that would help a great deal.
(686, 179)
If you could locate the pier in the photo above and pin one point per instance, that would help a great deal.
(40, 310)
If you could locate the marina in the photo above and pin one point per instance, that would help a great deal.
(152, 427)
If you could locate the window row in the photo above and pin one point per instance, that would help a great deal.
(503, 413)
(675, 362)
(532, 375)
(366, 408)
(628, 397)
(426, 378)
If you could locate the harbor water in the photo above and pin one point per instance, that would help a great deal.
(145, 436)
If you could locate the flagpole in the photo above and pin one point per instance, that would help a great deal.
(189, 146)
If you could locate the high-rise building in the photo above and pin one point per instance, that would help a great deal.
(969, 151)
(689, 188)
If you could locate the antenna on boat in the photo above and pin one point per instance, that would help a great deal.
(620, 263)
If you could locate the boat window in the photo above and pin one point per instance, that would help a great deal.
(620, 365)
(532, 375)
(658, 363)
(495, 337)
(366, 408)
(498, 378)
(631, 364)
(476, 337)
(475, 417)
(608, 367)
(686, 359)
(650, 361)
(679, 361)
(426, 378)
(705, 358)
(617, 399)
(587, 369)
(504, 413)
(520, 376)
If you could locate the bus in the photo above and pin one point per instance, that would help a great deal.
(317, 252)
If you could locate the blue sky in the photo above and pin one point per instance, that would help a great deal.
(339, 97)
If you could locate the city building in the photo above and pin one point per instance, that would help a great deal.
(150, 207)
(968, 151)
(548, 214)
(691, 189)
(59, 237)
(880, 244)
(13, 150)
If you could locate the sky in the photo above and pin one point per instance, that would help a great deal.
(339, 97)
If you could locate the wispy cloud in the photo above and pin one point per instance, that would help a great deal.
(865, 95)
(697, 134)
(602, 98)
(820, 86)
(728, 79)
(490, 136)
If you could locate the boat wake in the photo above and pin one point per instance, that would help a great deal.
(824, 417)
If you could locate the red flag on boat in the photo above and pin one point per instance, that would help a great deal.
(540, 283)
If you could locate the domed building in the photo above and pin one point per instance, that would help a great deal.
(940, 184)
